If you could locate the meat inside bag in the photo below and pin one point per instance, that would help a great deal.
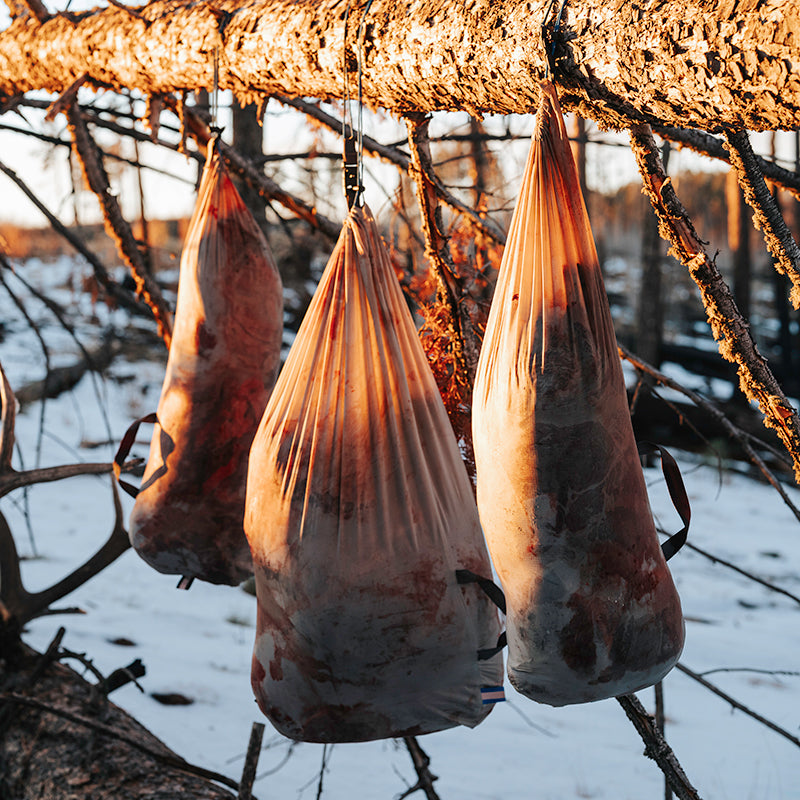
(592, 608)
(222, 365)
(359, 513)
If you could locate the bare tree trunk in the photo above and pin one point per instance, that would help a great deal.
(650, 311)
(247, 140)
(686, 63)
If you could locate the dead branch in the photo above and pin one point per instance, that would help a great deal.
(8, 415)
(166, 759)
(766, 214)
(395, 156)
(730, 330)
(736, 704)
(713, 147)
(50, 751)
(422, 762)
(437, 251)
(656, 747)
(736, 433)
(253, 176)
(743, 572)
(251, 761)
(112, 288)
(116, 225)
(17, 605)
(11, 479)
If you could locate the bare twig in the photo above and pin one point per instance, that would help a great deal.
(113, 289)
(736, 704)
(251, 761)
(766, 214)
(421, 761)
(731, 331)
(749, 575)
(656, 747)
(660, 718)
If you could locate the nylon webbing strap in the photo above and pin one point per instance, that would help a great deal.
(677, 493)
(125, 447)
(490, 588)
(495, 594)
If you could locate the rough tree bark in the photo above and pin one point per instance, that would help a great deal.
(68, 741)
(695, 63)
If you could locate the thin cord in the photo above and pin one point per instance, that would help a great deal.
(360, 54)
(215, 91)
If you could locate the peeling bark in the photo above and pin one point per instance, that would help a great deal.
(730, 329)
(694, 63)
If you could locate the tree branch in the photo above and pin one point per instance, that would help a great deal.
(766, 215)
(18, 606)
(742, 437)
(437, 250)
(116, 225)
(657, 748)
(394, 155)
(618, 64)
(736, 704)
(731, 331)
(421, 761)
(713, 147)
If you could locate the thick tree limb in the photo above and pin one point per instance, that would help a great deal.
(732, 333)
(61, 744)
(766, 215)
(685, 63)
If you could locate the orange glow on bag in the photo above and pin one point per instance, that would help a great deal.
(592, 608)
(359, 512)
(222, 365)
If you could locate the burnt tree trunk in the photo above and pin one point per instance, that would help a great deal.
(689, 63)
(46, 753)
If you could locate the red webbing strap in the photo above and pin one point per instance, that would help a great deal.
(125, 447)
(677, 492)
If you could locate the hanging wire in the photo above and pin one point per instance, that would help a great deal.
(353, 134)
(215, 129)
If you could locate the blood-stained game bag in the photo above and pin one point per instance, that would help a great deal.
(222, 365)
(592, 608)
(364, 531)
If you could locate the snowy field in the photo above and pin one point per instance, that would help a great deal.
(198, 643)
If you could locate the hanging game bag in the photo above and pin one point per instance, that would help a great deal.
(359, 513)
(592, 608)
(223, 360)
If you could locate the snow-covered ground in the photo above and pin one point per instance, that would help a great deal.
(198, 643)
